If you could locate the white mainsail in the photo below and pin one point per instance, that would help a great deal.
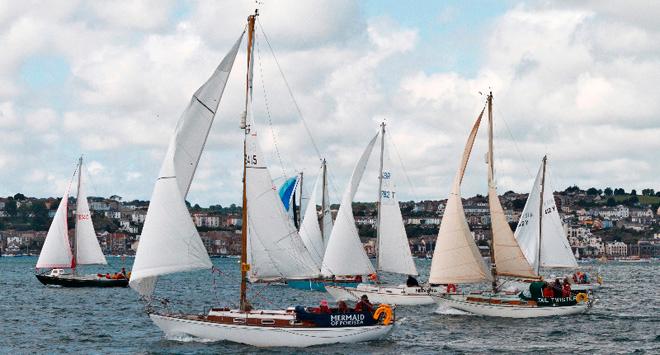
(456, 258)
(310, 230)
(344, 254)
(393, 248)
(275, 250)
(169, 242)
(554, 250)
(88, 250)
(56, 251)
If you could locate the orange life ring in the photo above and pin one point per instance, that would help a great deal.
(581, 297)
(384, 308)
(451, 288)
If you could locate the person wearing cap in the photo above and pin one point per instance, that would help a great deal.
(364, 305)
(323, 308)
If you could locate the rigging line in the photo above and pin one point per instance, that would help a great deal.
(267, 104)
(403, 167)
(515, 144)
(295, 103)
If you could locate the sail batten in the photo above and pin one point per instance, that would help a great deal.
(344, 254)
(169, 242)
(456, 258)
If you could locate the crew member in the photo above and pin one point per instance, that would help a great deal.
(323, 307)
(364, 305)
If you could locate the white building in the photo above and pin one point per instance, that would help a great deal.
(616, 249)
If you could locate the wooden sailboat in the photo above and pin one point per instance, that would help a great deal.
(170, 243)
(393, 250)
(57, 254)
(460, 262)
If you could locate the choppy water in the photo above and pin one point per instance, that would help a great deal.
(39, 319)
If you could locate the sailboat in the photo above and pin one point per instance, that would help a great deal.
(170, 243)
(548, 246)
(57, 255)
(457, 260)
(393, 250)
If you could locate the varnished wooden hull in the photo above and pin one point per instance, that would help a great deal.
(73, 281)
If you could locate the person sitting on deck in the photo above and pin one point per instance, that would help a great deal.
(557, 288)
(536, 290)
(364, 305)
(323, 308)
(123, 272)
(412, 282)
(547, 290)
(566, 289)
(342, 307)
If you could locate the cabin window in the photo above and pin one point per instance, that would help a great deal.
(268, 321)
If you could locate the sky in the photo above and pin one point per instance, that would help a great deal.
(573, 80)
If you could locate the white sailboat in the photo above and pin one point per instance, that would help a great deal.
(57, 254)
(393, 250)
(170, 243)
(545, 247)
(509, 258)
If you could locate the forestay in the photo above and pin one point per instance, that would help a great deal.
(88, 250)
(456, 258)
(169, 242)
(344, 254)
(310, 231)
(275, 249)
(555, 250)
(393, 248)
(56, 251)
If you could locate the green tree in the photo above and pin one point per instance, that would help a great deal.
(633, 192)
(619, 191)
(39, 220)
(608, 191)
(648, 192)
(10, 208)
(19, 196)
(611, 202)
(592, 191)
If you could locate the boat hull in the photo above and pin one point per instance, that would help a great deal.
(389, 294)
(461, 303)
(264, 336)
(317, 285)
(73, 281)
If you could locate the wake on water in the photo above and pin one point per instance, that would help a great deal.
(442, 309)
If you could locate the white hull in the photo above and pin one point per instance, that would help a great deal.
(389, 294)
(516, 285)
(263, 336)
(508, 311)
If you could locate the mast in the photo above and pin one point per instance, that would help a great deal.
(245, 267)
(491, 177)
(538, 266)
(74, 260)
(380, 194)
(323, 198)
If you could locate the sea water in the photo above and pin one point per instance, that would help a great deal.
(41, 319)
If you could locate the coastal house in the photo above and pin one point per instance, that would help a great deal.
(616, 249)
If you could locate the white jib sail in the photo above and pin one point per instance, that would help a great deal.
(310, 231)
(169, 242)
(555, 250)
(393, 248)
(345, 254)
(88, 250)
(456, 258)
(56, 251)
(275, 250)
(326, 214)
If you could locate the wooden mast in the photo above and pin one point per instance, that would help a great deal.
(538, 266)
(74, 260)
(380, 193)
(245, 267)
(491, 175)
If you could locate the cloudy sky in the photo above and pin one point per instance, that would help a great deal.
(577, 80)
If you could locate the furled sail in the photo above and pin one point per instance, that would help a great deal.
(326, 213)
(393, 248)
(169, 242)
(310, 230)
(88, 250)
(275, 250)
(56, 251)
(555, 250)
(456, 258)
(344, 254)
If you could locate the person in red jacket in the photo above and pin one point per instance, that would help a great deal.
(323, 308)
(566, 288)
(364, 305)
(547, 291)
